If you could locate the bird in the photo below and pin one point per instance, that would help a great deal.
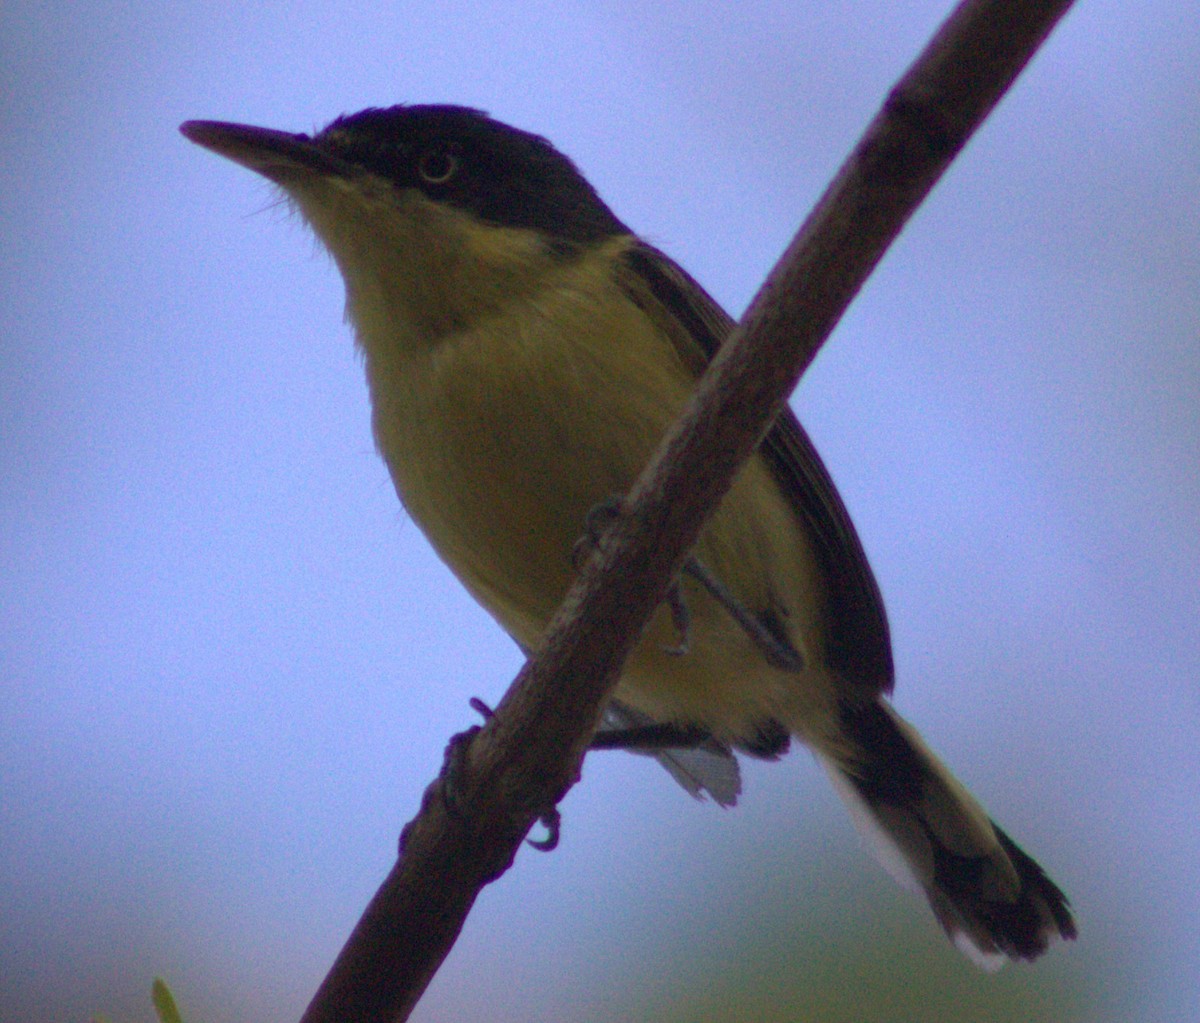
(525, 352)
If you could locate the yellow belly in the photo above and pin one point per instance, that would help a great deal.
(501, 438)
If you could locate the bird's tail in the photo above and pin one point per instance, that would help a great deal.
(993, 900)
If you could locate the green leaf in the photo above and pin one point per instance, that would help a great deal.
(164, 1002)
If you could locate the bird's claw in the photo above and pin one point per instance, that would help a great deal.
(452, 771)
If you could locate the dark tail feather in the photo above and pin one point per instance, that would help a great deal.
(993, 900)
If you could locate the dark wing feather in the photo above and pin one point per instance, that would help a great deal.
(858, 645)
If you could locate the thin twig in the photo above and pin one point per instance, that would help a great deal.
(529, 753)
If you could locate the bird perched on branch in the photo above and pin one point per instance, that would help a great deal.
(525, 353)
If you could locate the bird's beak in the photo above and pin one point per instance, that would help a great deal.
(280, 156)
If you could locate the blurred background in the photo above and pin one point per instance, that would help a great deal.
(230, 664)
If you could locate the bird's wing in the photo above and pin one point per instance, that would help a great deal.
(857, 644)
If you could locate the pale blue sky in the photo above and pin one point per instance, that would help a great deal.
(231, 663)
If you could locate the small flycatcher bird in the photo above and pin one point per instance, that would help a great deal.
(525, 353)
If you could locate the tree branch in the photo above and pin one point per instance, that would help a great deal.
(529, 753)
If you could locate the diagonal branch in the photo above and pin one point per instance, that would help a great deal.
(529, 754)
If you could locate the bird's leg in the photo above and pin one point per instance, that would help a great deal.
(595, 524)
(777, 651)
(647, 738)
(454, 766)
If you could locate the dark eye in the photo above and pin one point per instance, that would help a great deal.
(437, 166)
